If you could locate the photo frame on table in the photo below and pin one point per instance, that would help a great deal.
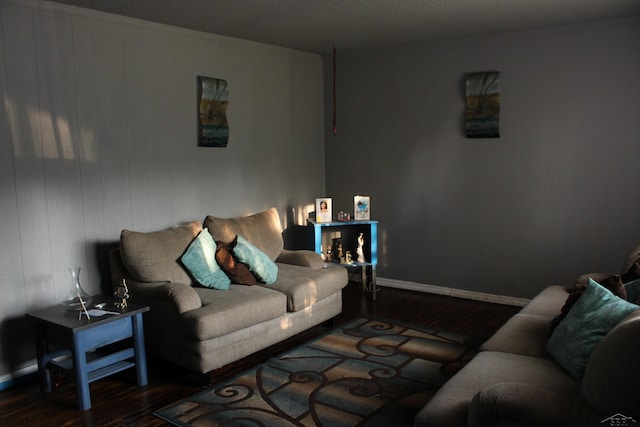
(361, 208)
(323, 209)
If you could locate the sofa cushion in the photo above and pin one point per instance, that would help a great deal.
(521, 405)
(590, 319)
(200, 260)
(155, 256)
(449, 406)
(262, 229)
(258, 262)
(522, 334)
(236, 271)
(548, 302)
(225, 312)
(305, 286)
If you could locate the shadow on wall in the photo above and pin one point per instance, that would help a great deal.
(295, 236)
(298, 237)
(17, 343)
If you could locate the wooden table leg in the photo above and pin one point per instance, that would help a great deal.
(82, 376)
(138, 345)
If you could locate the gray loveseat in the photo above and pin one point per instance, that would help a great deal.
(202, 329)
(515, 379)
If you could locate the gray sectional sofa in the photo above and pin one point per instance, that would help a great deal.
(202, 329)
(522, 378)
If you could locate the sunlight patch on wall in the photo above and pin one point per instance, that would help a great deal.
(14, 125)
(88, 143)
(56, 134)
(63, 133)
(57, 141)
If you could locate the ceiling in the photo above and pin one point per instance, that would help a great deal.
(317, 25)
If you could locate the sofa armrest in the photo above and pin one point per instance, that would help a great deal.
(181, 295)
(304, 258)
(523, 405)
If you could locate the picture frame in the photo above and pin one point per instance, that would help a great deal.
(213, 100)
(482, 117)
(323, 209)
(361, 208)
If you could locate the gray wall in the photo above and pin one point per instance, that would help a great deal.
(554, 197)
(98, 133)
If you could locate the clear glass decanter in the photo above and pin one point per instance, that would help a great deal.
(73, 299)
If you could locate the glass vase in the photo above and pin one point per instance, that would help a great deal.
(76, 296)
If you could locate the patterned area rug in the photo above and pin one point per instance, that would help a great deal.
(369, 372)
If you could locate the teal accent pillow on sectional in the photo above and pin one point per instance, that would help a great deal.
(259, 263)
(200, 260)
(589, 320)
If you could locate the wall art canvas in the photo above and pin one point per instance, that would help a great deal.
(213, 99)
(482, 118)
(323, 210)
(361, 208)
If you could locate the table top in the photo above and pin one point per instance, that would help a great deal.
(58, 315)
(335, 222)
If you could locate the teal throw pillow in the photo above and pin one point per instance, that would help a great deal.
(259, 263)
(633, 291)
(590, 319)
(200, 260)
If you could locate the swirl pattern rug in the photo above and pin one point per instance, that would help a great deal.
(368, 372)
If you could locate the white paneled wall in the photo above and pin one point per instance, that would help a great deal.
(98, 133)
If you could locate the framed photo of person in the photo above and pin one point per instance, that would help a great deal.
(323, 209)
(361, 208)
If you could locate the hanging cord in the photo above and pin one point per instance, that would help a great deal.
(335, 129)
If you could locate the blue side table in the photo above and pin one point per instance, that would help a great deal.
(73, 346)
(348, 232)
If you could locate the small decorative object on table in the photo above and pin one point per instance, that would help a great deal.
(360, 251)
(361, 208)
(344, 216)
(122, 295)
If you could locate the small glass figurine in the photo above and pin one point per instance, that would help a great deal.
(360, 251)
(122, 295)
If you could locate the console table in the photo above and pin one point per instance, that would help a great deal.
(76, 346)
(348, 231)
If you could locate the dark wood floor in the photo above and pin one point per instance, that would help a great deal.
(117, 401)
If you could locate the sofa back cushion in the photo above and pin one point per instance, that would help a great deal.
(611, 382)
(262, 229)
(155, 256)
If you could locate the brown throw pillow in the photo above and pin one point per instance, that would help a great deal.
(238, 272)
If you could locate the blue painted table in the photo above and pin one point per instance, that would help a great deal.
(348, 232)
(77, 346)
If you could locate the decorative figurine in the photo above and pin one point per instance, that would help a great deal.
(360, 251)
(122, 295)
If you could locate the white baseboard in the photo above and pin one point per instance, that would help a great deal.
(452, 292)
(8, 380)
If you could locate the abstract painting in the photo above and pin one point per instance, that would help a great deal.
(213, 99)
(482, 118)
